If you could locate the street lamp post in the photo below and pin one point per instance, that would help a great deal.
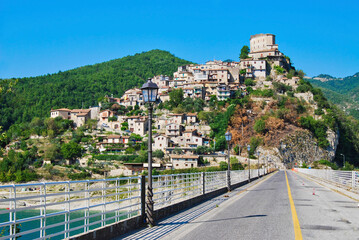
(343, 159)
(228, 136)
(258, 163)
(149, 92)
(249, 163)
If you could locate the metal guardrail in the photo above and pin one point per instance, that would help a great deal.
(59, 210)
(347, 179)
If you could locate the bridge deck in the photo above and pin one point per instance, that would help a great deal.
(262, 210)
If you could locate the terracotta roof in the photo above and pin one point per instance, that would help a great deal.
(191, 114)
(80, 110)
(82, 114)
(133, 117)
(114, 136)
(184, 156)
(176, 114)
(61, 109)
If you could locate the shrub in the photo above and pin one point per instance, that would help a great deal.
(259, 126)
(318, 111)
(249, 82)
(281, 87)
(223, 166)
(278, 69)
(290, 94)
(79, 176)
(318, 128)
(115, 157)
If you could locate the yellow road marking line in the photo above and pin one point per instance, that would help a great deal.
(297, 231)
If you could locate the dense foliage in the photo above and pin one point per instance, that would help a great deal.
(35, 96)
(244, 52)
(342, 92)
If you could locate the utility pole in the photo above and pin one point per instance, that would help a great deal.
(343, 159)
(249, 163)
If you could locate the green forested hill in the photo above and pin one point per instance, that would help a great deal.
(342, 92)
(35, 96)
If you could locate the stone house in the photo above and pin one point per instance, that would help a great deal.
(191, 118)
(131, 122)
(192, 141)
(105, 114)
(161, 142)
(174, 130)
(62, 112)
(161, 81)
(164, 96)
(184, 161)
(80, 116)
(140, 126)
(176, 118)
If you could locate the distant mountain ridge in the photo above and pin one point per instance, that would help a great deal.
(341, 91)
(326, 77)
(35, 96)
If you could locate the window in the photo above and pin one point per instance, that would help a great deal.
(196, 140)
(160, 145)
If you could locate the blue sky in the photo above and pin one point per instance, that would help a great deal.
(40, 37)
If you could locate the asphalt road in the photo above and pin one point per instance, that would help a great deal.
(264, 212)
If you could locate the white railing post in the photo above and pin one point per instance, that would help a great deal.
(353, 179)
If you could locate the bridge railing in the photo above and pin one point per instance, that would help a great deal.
(170, 189)
(346, 179)
(58, 210)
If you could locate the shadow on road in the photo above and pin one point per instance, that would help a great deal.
(214, 220)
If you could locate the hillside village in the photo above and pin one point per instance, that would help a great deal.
(262, 100)
(178, 135)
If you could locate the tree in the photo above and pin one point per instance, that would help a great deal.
(124, 126)
(300, 74)
(52, 152)
(71, 150)
(244, 52)
(158, 154)
(176, 97)
(236, 149)
(200, 150)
